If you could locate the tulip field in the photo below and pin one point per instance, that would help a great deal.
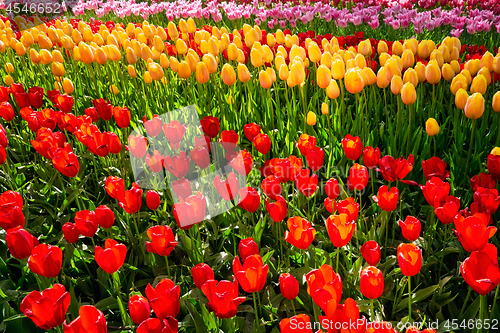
(249, 166)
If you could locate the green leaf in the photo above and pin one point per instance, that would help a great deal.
(417, 297)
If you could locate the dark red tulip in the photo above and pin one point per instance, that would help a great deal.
(210, 126)
(324, 286)
(155, 162)
(435, 190)
(200, 157)
(174, 132)
(300, 323)
(332, 188)
(3, 137)
(315, 157)
(16, 88)
(52, 95)
(190, 211)
(201, 273)
(65, 103)
(228, 189)
(251, 130)
(289, 286)
(250, 199)
(164, 298)
(48, 308)
(11, 210)
(247, 247)
(300, 232)
(229, 139)
(152, 199)
(493, 164)
(277, 210)
(371, 157)
(358, 177)
(435, 167)
(3, 155)
(92, 113)
(162, 240)
(306, 183)
(488, 198)
(371, 252)
(349, 207)
(90, 320)
(305, 143)
(45, 260)
(352, 147)
(70, 232)
(481, 271)
(35, 95)
(154, 126)
(182, 188)
(271, 187)
(396, 169)
(115, 186)
(132, 201)
(447, 209)
(371, 282)
(409, 259)
(262, 143)
(22, 99)
(204, 141)
(6, 111)
(112, 257)
(252, 275)
(387, 200)
(411, 228)
(177, 165)
(330, 205)
(20, 242)
(242, 162)
(137, 145)
(122, 116)
(139, 309)
(104, 109)
(482, 180)
(86, 223)
(473, 232)
(155, 325)
(340, 229)
(222, 297)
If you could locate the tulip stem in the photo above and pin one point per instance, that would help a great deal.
(465, 303)
(337, 266)
(409, 298)
(483, 306)
(168, 266)
(494, 302)
(372, 311)
(498, 133)
(256, 312)
(433, 99)
(409, 133)
(470, 146)
(293, 306)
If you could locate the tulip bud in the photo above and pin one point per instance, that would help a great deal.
(283, 72)
(461, 98)
(408, 94)
(68, 86)
(271, 40)
(256, 58)
(251, 37)
(228, 75)
(86, 54)
(431, 127)
(467, 75)
(156, 71)
(487, 61)
(314, 52)
(382, 47)
(147, 77)
(332, 91)
(472, 66)
(280, 37)
(365, 47)
(184, 70)
(324, 109)
(432, 72)
(420, 69)
(232, 52)
(396, 85)
(455, 66)
(58, 69)
(448, 72)
(100, 56)
(496, 64)
(202, 74)
(382, 81)
(438, 57)
(408, 59)
(383, 58)
(496, 102)
(354, 81)
(323, 77)
(410, 76)
(131, 71)
(311, 118)
(9, 80)
(35, 58)
(486, 73)
(172, 31)
(369, 76)
(474, 107)
(479, 85)
(211, 63)
(338, 69)
(265, 80)
(297, 72)
(424, 49)
(397, 48)
(458, 82)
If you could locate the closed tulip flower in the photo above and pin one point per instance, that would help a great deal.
(408, 94)
(473, 232)
(340, 229)
(411, 228)
(435, 190)
(20, 242)
(479, 85)
(354, 81)
(481, 271)
(382, 80)
(139, 309)
(371, 157)
(411, 76)
(301, 233)
(474, 108)
(162, 240)
(448, 72)
(332, 91)
(243, 73)
(332, 188)
(86, 222)
(431, 127)
(112, 257)
(396, 85)
(104, 216)
(323, 76)
(358, 177)
(311, 118)
(227, 305)
(153, 199)
(70, 232)
(228, 75)
(289, 286)
(164, 298)
(352, 147)
(371, 282)
(387, 200)
(262, 143)
(325, 109)
(45, 260)
(496, 102)
(201, 273)
(448, 209)
(338, 69)
(278, 209)
(265, 80)
(432, 72)
(297, 72)
(252, 275)
(48, 308)
(90, 320)
(371, 252)
(132, 201)
(409, 259)
(461, 98)
(184, 70)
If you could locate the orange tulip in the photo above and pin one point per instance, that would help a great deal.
(461, 98)
(354, 81)
(474, 108)
(408, 94)
(228, 75)
(340, 230)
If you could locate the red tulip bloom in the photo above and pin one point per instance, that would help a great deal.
(65, 103)
(190, 211)
(229, 139)
(332, 188)
(16, 88)
(4, 94)
(435, 167)
(271, 186)
(155, 325)
(409, 259)
(347, 315)
(411, 228)
(306, 184)
(3, 137)
(473, 232)
(371, 157)
(137, 145)
(387, 200)
(315, 157)
(112, 257)
(46, 142)
(289, 286)
(152, 199)
(228, 188)
(349, 207)
(92, 113)
(48, 308)
(90, 320)
(286, 169)
(154, 126)
(481, 271)
(242, 162)
(371, 252)
(122, 116)
(162, 240)
(277, 210)
(132, 201)
(164, 298)
(115, 186)
(45, 260)
(305, 143)
(174, 132)
(352, 147)
(11, 213)
(201, 273)
(115, 145)
(262, 143)
(250, 199)
(340, 229)
(247, 248)
(300, 323)
(104, 108)
(396, 169)
(251, 130)
(435, 190)
(98, 144)
(70, 232)
(325, 287)
(252, 274)
(330, 205)
(20, 242)
(488, 198)
(447, 209)
(210, 126)
(493, 164)
(301, 233)
(482, 180)
(371, 282)
(182, 188)
(35, 95)
(86, 223)
(3, 155)
(222, 297)
(139, 309)
(358, 177)
(22, 99)
(6, 111)
(200, 157)
(178, 165)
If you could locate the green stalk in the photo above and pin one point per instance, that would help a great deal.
(256, 312)
(483, 307)
(372, 311)
(465, 303)
(409, 131)
(470, 146)
(409, 298)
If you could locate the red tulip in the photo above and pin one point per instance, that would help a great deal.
(139, 309)
(122, 116)
(493, 164)
(154, 126)
(105, 216)
(65, 103)
(250, 199)
(352, 147)
(174, 132)
(46, 141)
(262, 143)
(358, 177)
(86, 223)
(332, 188)
(164, 298)
(11, 210)
(112, 257)
(229, 139)
(306, 184)
(242, 162)
(277, 210)
(201, 273)
(488, 198)
(315, 157)
(330, 205)
(411, 228)
(305, 143)
(447, 209)
(481, 271)
(178, 165)
(6, 111)
(70, 232)
(155, 325)
(387, 200)
(409, 259)
(155, 162)
(222, 297)
(20, 242)
(286, 169)
(132, 201)
(162, 240)
(247, 248)
(301, 233)
(4, 94)
(190, 211)
(396, 169)
(115, 145)
(22, 99)
(435, 167)
(482, 180)
(48, 308)
(371, 252)
(347, 315)
(210, 126)
(98, 144)
(435, 190)
(35, 95)
(200, 157)
(3, 155)
(92, 113)
(289, 286)
(137, 145)
(252, 274)
(115, 186)
(340, 229)
(45, 260)
(16, 88)
(228, 188)
(349, 207)
(104, 108)
(90, 320)
(152, 199)
(52, 95)
(325, 287)
(251, 130)
(271, 186)
(3, 137)
(371, 282)
(66, 162)
(182, 188)
(297, 324)
(473, 232)
(371, 157)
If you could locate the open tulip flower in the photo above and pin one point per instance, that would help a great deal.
(473, 232)
(252, 275)
(48, 308)
(164, 298)
(340, 229)
(222, 297)
(409, 259)
(301, 233)
(387, 200)
(90, 320)
(111, 258)
(325, 288)
(481, 271)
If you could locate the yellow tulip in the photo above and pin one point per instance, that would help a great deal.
(432, 127)
(360, 61)
(251, 37)
(486, 73)
(432, 72)
(256, 58)
(283, 72)
(297, 72)
(268, 54)
(280, 37)
(332, 91)
(271, 40)
(323, 76)
(411, 76)
(9, 68)
(408, 93)
(45, 42)
(472, 66)
(314, 52)
(487, 61)
(354, 81)
(58, 69)
(424, 49)
(365, 47)
(474, 108)
(232, 52)
(448, 72)
(272, 74)
(9, 80)
(397, 48)
(326, 59)
(496, 64)
(495, 151)
(382, 80)
(213, 46)
(338, 69)
(382, 47)
(228, 74)
(147, 77)
(479, 85)
(155, 71)
(211, 63)
(461, 98)
(184, 70)
(311, 118)
(290, 82)
(86, 54)
(100, 56)
(369, 76)
(396, 85)
(408, 59)
(420, 69)
(172, 31)
(458, 82)
(174, 64)
(467, 75)
(496, 102)
(68, 86)
(131, 71)
(265, 80)
(324, 109)
(114, 89)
